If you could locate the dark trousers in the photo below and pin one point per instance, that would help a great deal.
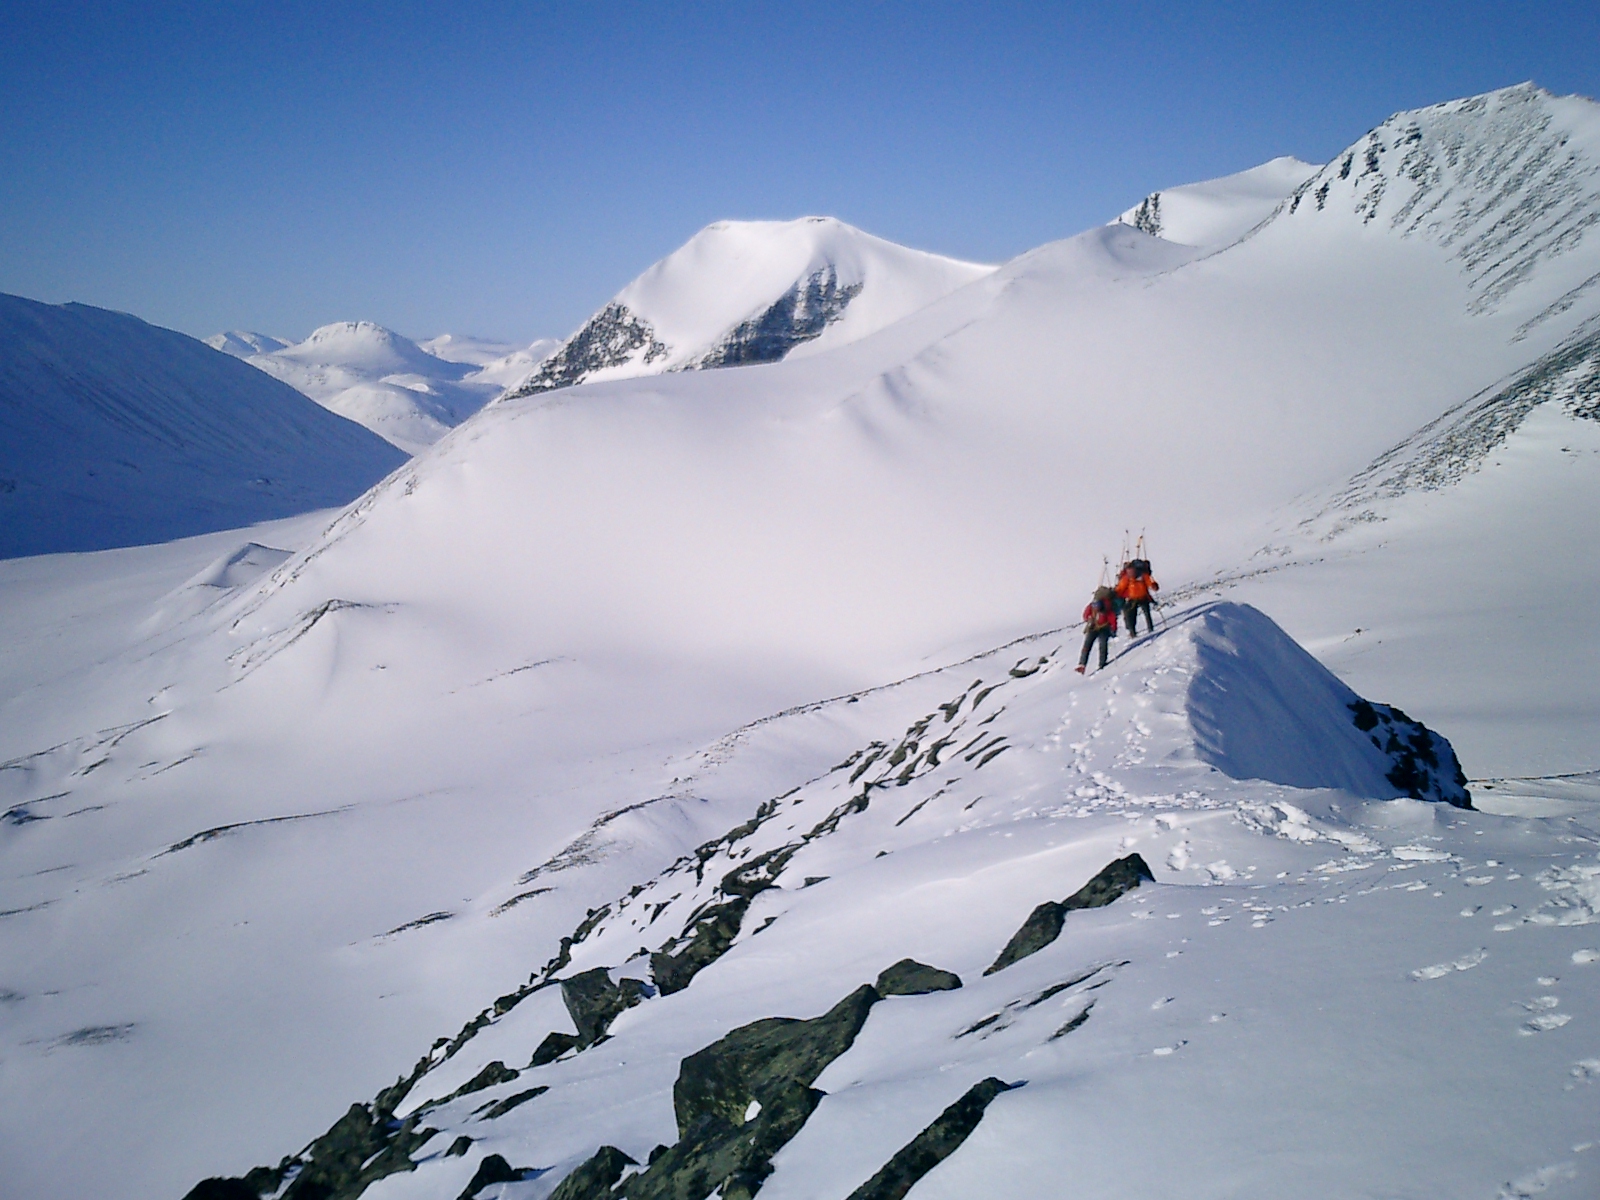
(1131, 609)
(1101, 635)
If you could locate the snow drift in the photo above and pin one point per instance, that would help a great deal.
(115, 433)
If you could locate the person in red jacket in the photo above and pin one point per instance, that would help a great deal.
(1099, 625)
(1134, 588)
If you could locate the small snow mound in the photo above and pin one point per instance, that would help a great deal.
(239, 567)
(1261, 707)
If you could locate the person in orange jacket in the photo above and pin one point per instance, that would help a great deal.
(1099, 625)
(1134, 588)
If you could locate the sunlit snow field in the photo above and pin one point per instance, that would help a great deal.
(286, 806)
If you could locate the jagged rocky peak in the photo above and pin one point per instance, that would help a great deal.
(1508, 182)
(742, 292)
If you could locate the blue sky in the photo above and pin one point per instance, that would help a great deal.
(502, 169)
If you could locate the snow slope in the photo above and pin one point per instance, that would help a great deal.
(406, 393)
(114, 432)
(274, 837)
(1278, 922)
(1219, 211)
(743, 292)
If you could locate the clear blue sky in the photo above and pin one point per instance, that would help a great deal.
(502, 169)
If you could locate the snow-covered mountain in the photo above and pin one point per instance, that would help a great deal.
(560, 818)
(742, 292)
(1219, 211)
(407, 393)
(116, 433)
(499, 363)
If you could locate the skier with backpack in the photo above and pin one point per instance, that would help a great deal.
(1099, 625)
(1134, 588)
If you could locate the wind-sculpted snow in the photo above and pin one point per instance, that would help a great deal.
(1262, 708)
(1507, 182)
(115, 433)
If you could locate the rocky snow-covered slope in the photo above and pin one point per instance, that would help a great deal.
(742, 292)
(116, 433)
(491, 783)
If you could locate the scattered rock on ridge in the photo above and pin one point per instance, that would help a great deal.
(595, 1178)
(933, 1145)
(1044, 923)
(908, 977)
(742, 1098)
(594, 1002)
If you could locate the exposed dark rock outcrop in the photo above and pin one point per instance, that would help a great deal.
(552, 1048)
(500, 1108)
(613, 336)
(741, 1099)
(797, 316)
(594, 1001)
(933, 1145)
(493, 1074)
(222, 1189)
(1044, 923)
(911, 978)
(493, 1169)
(595, 1178)
(706, 940)
(1424, 766)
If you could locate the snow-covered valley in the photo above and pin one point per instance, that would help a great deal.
(635, 712)
(409, 393)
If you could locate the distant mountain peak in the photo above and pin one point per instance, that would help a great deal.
(242, 343)
(742, 292)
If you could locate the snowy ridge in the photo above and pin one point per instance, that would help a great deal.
(1219, 211)
(904, 828)
(1508, 182)
(114, 432)
(752, 291)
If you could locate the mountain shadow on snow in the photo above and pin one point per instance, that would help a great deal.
(118, 433)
